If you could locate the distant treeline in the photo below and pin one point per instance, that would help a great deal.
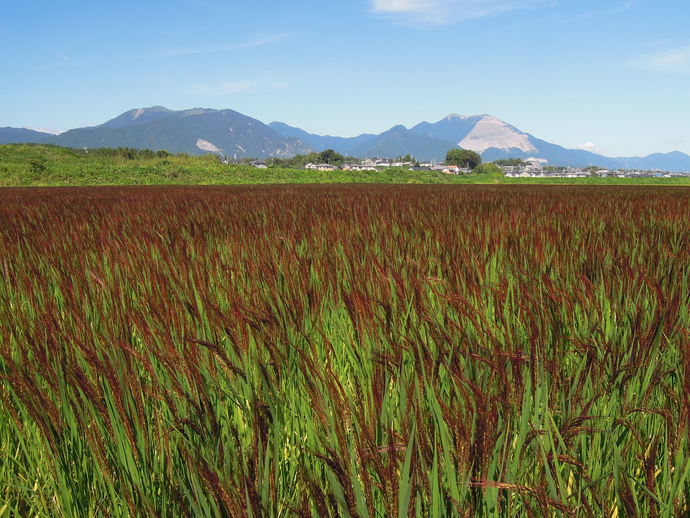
(127, 153)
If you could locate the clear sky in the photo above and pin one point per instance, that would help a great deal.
(610, 75)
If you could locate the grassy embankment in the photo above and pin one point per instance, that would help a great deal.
(38, 165)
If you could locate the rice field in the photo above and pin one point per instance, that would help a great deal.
(364, 351)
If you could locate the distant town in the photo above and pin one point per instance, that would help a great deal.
(539, 169)
(511, 168)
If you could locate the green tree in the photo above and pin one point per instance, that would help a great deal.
(510, 162)
(331, 157)
(463, 158)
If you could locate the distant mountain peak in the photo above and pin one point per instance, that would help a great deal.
(195, 131)
(149, 109)
(201, 111)
(397, 129)
(459, 117)
(492, 132)
(138, 116)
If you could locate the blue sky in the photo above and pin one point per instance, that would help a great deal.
(610, 75)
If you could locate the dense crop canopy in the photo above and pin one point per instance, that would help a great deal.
(345, 351)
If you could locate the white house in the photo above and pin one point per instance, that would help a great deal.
(321, 167)
(362, 167)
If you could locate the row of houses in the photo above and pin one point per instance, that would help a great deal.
(365, 165)
(532, 168)
(370, 165)
(604, 173)
(574, 172)
(538, 168)
(570, 173)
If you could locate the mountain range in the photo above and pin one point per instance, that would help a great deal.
(227, 132)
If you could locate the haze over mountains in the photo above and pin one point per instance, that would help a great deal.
(227, 132)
